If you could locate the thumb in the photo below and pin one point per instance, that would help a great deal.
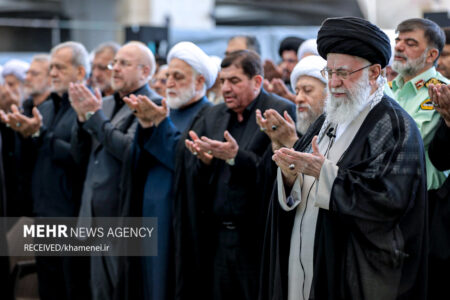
(288, 118)
(193, 135)
(14, 108)
(36, 113)
(98, 94)
(164, 104)
(315, 147)
(228, 137)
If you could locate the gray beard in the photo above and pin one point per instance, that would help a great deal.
(412, 66)
(184, 96)
(304, 120)
(341, 110)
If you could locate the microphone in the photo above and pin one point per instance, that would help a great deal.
(330, 133)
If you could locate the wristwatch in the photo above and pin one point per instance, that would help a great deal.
(89, 114)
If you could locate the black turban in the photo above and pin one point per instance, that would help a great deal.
(354, 36)
(290, 43)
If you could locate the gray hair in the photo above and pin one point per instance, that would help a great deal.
(80, 56)
(41, 57)
(148, 56)
(111, 46)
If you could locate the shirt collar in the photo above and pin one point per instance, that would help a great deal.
(416, 83)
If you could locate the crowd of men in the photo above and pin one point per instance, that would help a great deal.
(315, 178)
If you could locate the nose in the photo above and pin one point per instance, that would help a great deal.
(399, 46)
(300, 98)
(225, 86)
(170, 82)
(334, 81)
(53, 72)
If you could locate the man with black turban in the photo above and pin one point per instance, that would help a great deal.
(347, 218)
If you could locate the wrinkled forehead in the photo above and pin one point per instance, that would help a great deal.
(343, 61)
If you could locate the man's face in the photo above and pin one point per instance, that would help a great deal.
(346, 97)
(411, 53)
(238, 90)
(236, 44)
(128, 70)
(289, 60)
(310, 97)
(101, 75)
(158, 82)
(14, 84)
(180, 88)
(37, 80)
(444, 61)
(62, 71)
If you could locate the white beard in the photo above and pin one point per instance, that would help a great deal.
(411, 66)
(341, 110)
(183, 97)
(305, 119)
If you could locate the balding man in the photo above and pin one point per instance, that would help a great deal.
(56, 177)
(341, 224)
(101, 74)
(105, 128)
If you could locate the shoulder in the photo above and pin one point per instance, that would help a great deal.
(270, 100)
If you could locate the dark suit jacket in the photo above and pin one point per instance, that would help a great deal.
(56, 178)
(194, 221)
(100, 143)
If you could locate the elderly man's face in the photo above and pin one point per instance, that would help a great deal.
(238, 90)
(14, 84)
(310, 97)
(411, 52)
(347, 96)
(101, 75)
(37, 80)
(180, 82)
(444, 61)
(62, 70)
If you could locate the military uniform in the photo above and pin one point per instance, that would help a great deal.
(413, 97)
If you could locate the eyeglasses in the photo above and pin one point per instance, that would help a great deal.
(122, 63)
(340, 73)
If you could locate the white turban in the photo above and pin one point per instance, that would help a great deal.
(308, 46)
(197, 59)
(16, 67)
(309, 66)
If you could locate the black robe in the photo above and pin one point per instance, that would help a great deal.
(372, 242)
(195, 226)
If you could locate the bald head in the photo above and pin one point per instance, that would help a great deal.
(144, 55)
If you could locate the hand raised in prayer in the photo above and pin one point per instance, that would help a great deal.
(292, 162)
(280, 88)
(197, 148)
(271, 70)
(83, 100)
(24, 125)
(281, 131)
(440, 96)
(8, 98)
(221, 150)
(147, 112)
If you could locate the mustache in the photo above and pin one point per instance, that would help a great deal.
(400, 55)
(338, 90)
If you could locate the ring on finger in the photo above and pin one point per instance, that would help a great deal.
(194, 153)
(291, 167)
(436, 104)
(274, 127)
(18, 124)
(209, 152)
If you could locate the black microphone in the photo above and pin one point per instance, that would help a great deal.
(330, 133)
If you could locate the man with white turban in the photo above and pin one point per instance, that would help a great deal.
(310, 90)
(12, 92)
(190, 73)
(308, 47)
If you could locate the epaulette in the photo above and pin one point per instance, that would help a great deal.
(390, 84)
(434, 81)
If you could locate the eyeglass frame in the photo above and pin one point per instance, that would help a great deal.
(327, 75)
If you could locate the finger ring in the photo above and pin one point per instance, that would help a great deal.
(209, 152)
(194, 153)
(262, 129)
(291, 167)
(18, 124)
(436, 104)
(274, 127)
